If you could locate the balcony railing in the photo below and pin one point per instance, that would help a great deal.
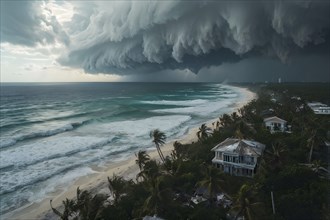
(238, 162)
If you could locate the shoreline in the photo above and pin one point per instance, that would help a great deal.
(97, 181)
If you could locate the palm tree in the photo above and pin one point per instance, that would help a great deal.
(213, 179)
(217, 125)
(234, 116)
(159, 139)
(158, 198)
(116, 186)
(312, 141)
(142, 159)
(82, 200)
(275, 155)
(310, 144)
(178, 151)
(88, 206)
(242, 203)
(316, 166)
(69, 209)
(242, 128)
(83, 207)
(151, 170)
(203, 132)
(225, 120)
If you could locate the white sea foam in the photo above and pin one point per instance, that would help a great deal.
(33, 184)
(48, 149)
(43, 170)
(61, 181)
(180, 103)
(229, 95)
(142, 127)
(15, 109)
(6, 142)
(202, 110)
(44, 130)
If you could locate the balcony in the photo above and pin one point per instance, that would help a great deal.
(234, 160)
(220, 160)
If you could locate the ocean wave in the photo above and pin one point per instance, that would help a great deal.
(16, 108)
(12, 109)
(38, 172)
(46, 150)
(7, 143)
(12, 186)
(141, 127)
(228, 95)
(4, 143)
(180, 103)
(170, 95)
(202, 110)
(20, 195)
(36, 121)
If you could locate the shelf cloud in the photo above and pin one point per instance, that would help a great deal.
(125, 37)
(131, 37)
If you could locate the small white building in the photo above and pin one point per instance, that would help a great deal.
(238, 157)
(319, 108)
(275, 124)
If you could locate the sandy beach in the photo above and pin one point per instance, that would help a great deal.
(97, 182)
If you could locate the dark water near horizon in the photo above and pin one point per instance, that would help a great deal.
(52, 133)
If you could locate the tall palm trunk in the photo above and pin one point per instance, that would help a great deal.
(161, 155)
(159, 139)
(311, 143)
(310, 153)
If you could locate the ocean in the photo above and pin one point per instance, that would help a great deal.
(53, 133)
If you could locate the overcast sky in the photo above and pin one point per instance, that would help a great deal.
(235, 41)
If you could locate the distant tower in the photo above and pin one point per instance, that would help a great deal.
(279, 80)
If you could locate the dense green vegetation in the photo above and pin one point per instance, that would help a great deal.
(293, 167)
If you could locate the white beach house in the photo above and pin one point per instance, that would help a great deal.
(275, 124)
(238, 157)
(319, 108)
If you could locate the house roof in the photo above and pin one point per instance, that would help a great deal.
(152, 218)
(316, 104)
(240, 146)
(274, 118)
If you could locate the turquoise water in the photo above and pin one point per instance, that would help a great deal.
(53, 133)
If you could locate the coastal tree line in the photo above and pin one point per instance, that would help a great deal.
(293, 168)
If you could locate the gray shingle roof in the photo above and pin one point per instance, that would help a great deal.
(240, 146)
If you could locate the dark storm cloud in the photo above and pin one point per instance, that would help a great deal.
(309, 68)
(27, 23)
(129, 37)
(177, 37)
